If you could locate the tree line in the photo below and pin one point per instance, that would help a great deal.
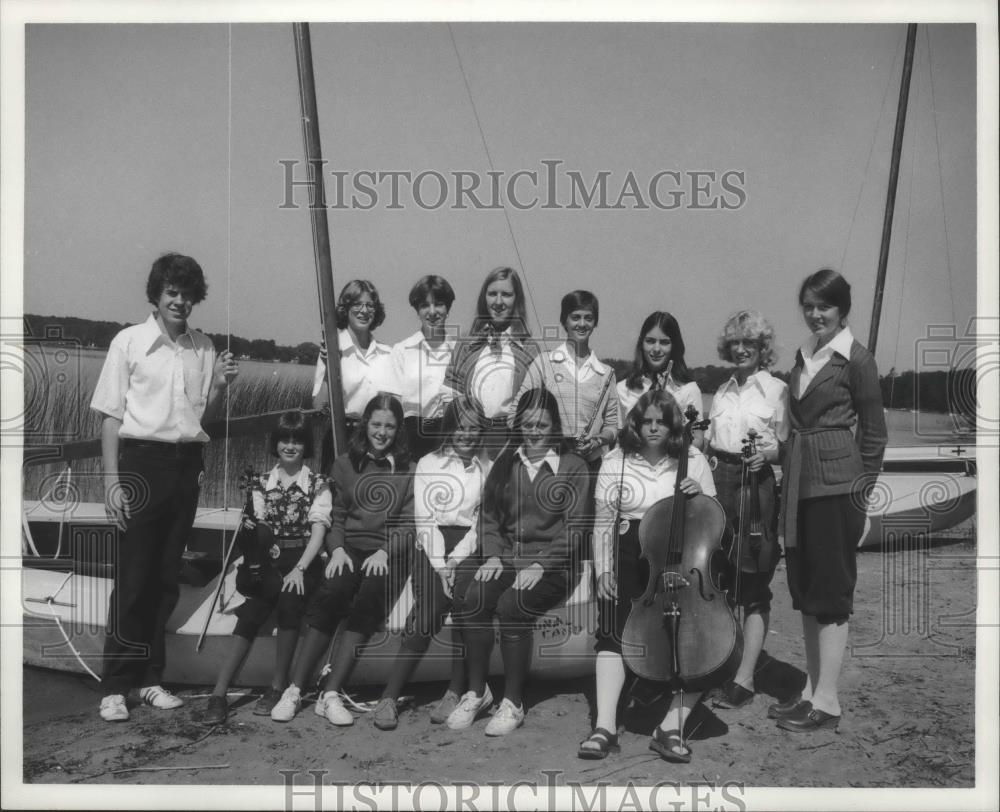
(944, 390)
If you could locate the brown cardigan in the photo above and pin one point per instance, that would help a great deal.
(841, 425)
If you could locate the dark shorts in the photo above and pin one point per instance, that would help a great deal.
(477, 603)
(749, 585)
(632, 573)
(364, 600)
(822, 569)
(431, 603)
(290, 606)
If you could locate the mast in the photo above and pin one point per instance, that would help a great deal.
(320, 229)
(890, 198)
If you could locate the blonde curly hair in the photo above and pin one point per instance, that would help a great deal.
(748, 325)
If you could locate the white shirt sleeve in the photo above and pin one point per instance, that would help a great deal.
(321, 510)
(700, 472)
(467, 546)
(109, 394)
(606, 496)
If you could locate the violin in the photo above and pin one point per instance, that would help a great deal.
(682, 630)
(750, 529)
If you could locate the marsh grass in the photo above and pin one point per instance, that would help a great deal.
(57, 410)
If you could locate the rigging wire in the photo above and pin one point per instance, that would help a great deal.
(906, 246)
(489, 160)
(229, 265)
(871, 149)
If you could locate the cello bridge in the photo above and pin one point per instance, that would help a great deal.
(674, 580)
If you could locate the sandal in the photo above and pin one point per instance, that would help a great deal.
(670, 746)
(598, 744)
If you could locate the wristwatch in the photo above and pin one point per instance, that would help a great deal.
(300, 568)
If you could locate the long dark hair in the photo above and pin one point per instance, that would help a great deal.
(497, 491)
(668, 324)
(519, 319)
(357, 446)
(631, 436)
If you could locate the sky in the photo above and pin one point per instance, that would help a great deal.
(146, 138)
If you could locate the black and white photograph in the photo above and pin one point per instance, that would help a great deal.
(499, 406)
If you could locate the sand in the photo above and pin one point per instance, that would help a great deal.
(908, 691)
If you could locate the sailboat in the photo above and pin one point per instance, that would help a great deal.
(66, 571)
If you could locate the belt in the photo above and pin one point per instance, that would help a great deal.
(164, 449)
(726, 456)
(790, 479)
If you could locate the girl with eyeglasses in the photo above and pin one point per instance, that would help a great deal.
(365, 367)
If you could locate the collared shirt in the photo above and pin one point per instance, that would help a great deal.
(388, 458)
(532, 468)
(638, 485)
(686, 394)
(578, 389)
(760, 404)
(157, 387)
(813, 360)
(292, 510)
(418, 370)
(447, 492)
(363, 373)
(493, 377)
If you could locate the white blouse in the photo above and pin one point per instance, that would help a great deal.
(760, 404)
(447, 492)
(686, 394)
(639, 486)
(363, 373)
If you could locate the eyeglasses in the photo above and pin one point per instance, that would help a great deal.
(361, 307)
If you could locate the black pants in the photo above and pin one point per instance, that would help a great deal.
(431, 603)
(364, 600)
(162, 483)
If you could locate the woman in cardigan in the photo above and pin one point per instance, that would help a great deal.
(830, 464)
(489, 363)
(534, 520)
(371, 532)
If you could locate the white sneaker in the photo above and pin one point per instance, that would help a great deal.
(330, 706)
(288, 705)
(114, 709)
(507, 719)
(159, 697)
(469, 707)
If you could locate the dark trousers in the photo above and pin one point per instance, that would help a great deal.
(289, 607)
(364, 600)
(431, 603)
(162, 489)
(476, 603)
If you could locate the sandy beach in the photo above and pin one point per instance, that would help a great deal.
(908, 692)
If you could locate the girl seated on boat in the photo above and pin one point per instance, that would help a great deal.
(583, 385)
(365, 366)
(368, 542)
(295, 504)
(447, 490)
(634, 477)
(534, 518)
(490, 362)
(751, 400)
(659, 365)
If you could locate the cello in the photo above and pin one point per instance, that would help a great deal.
(681, 630)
